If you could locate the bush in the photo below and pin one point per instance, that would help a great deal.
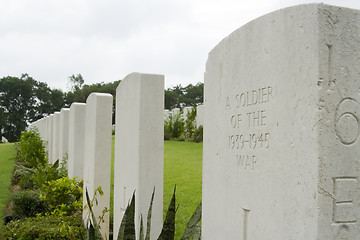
(174, 126)
(63, 196)
(31, 149)
(27, 203)
(47, 173)
(45, 227)
(190, 126)
(198, 134)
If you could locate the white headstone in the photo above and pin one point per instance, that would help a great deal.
(55, 144)
(64, 133)
(166, 114)
(50, 137)
(199, 115)
(186, 111)
(76, 140)
(97, 154)
(281, 140)
(175, 111)
(139, 148)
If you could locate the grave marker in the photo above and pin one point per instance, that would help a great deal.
(281, 139)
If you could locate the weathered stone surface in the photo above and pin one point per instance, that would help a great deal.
(76, 140)
(139, 148)
(281, 140)
(97, 154)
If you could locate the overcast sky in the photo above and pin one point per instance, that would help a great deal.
(104, 40)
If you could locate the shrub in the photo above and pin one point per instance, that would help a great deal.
(198, 134)
(174, 126)
(45, 227)
(27, 203)
(47, 173)
(63, 196)
(31, 149)
(190, 126)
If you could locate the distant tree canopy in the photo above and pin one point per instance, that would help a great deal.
(24, 100)
(179, 97)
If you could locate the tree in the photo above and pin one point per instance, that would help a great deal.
(76, 82)
(178, 96)
(24, 100)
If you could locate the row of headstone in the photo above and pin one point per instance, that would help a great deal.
(281, 129)
(83, 133)
(176, 111)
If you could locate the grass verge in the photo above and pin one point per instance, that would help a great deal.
(7, 163)
(183, 168)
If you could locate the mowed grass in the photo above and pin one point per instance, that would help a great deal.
(7, 163)
(183, 168)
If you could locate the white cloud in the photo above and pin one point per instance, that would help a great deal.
(105, 40)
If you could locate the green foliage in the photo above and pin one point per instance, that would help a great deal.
(178, 96)
(63, 196)
(31, 149)
(193, 224)
(47, 173)
(44, 228)
(190, 126)
(24, 100)
(168, 230)
(198, 134)
(174, 126)
(27, 203)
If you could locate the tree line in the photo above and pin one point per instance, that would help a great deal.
(24, 100)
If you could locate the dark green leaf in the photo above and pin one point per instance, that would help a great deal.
(191, 226)
(148, 221)
(98, 235)
(168, 230)
(141, 228)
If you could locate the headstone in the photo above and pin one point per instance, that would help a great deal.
(139, 149)
(76, 140)
(97, 155)
(166, 114)
(186, 111)
(64, 133)
(55, 144)
(4, 140)
(50, 137)
(281, 140)
(175, 111)
(199, 115)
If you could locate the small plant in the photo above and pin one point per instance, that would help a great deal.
(63, 196)
(174, 126)
(45, 227)
(127, 226)
(190, 126)
(198, 135)
(27, 203)
(31, 149)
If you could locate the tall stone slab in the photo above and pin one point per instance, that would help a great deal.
(199, 115)
(281, 140)
(76, 140)
(139, 148)
(64, 133)
(175, 111)
(55, 137)
(50, 137)
(97, 154)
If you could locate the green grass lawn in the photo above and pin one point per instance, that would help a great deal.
(7, 163)
(183, 168)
